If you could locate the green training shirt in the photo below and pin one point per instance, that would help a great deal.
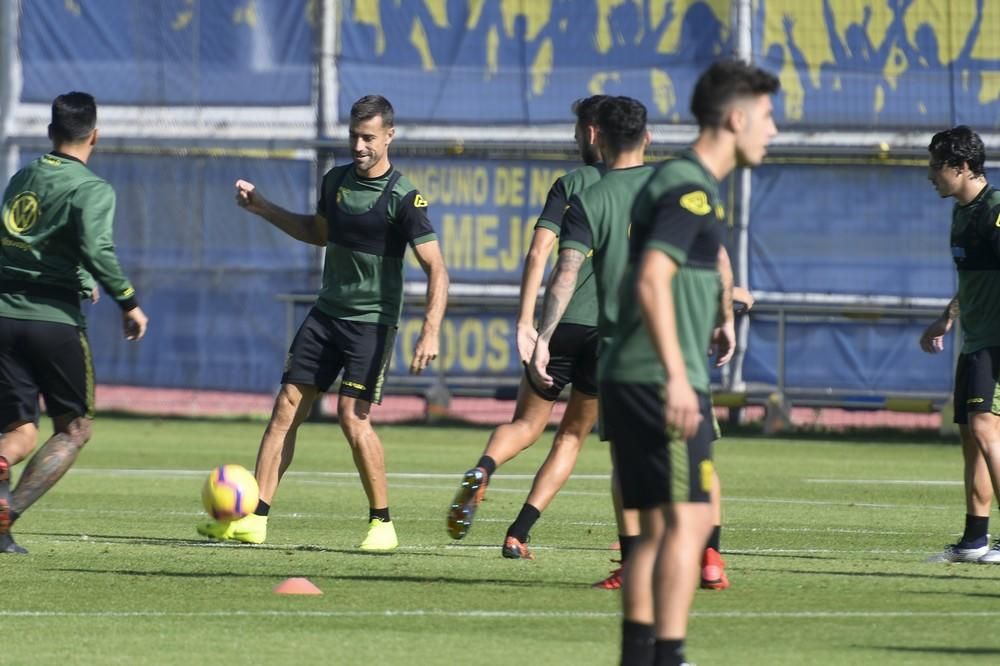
(582, 308)
(57, 238)
(975, 248)
(369, 228)
(678, 212)
(597, 224)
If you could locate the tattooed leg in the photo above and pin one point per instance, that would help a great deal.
(49, 464)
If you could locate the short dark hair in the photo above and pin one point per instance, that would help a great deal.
(585, 109)
(74, 117)
(957, 146)
(370, 106)
(622, 122)
(725, 81)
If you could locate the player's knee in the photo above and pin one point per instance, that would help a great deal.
(568, 439)
(286, 407)
(79, 430)
(985, 431)
(532, 428)
(353, 422)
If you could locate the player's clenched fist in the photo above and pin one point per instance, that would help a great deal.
(245, 194)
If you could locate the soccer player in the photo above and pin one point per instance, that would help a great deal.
(574, 362)
(596, 225)
(654, 381)
(955, 169)
(366, 215)
(595, 231)
(57, 236)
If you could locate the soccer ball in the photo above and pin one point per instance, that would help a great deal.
(230, 492)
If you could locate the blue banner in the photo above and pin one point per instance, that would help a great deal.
(169, 52)
(484, 212)
(904, 63)
(842, 64)
(495, 61)
(206, 272)
(847, 355)
(849, 229)
(477, 344)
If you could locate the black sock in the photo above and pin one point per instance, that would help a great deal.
(263, 508)
(381, 514)
(976, 528)
(638, 644)
(523, 523)
(488, 464)
(626, 544)
(716, 536)
(669, 652)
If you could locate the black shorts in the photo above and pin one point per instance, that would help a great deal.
(976, 383)
(572, 360)
(324, 346)
(48, 359)
(652, 468)
(602, 430)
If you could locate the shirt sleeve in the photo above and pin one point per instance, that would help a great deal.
(576, 233)
(323, 201)
(989, 229)
(411, 216)
(94, 205)
(555, 208)
(678, 218)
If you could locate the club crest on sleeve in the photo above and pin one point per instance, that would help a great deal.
(696, 202)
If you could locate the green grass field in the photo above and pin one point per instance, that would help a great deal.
(825, 543)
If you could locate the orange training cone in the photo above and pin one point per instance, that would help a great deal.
(297, 586)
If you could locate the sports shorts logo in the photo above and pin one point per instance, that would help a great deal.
(975, 401)
(21, 214)
(705, 472)
(696, 202)
(353, 385)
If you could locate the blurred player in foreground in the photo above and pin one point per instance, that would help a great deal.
(654, 377)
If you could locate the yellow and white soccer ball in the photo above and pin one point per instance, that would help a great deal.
(230, 492)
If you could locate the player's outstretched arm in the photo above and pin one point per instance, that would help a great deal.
(310, 229)
(428, 344)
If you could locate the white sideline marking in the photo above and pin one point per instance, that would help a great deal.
(168, 473)
(887, 482)
(473, 614)
(417, 548)
(864, 505)
(184, 473)
(298, 516)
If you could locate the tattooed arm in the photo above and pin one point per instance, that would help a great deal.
(561, 287)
